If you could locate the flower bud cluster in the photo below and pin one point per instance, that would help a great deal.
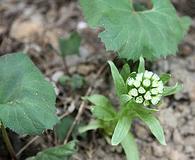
(145, 88)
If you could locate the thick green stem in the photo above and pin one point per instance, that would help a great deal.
(7, 142)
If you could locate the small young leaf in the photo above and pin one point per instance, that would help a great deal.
(56, 153)
(99, 100)
(165, 78)
(69, 46)
(124, 98)
(105, 113)
(153, 124)
(27, 100)
(141, 68)
(130, 147)
(121, 130)
(62, 127)
(119, 83)
(93, 125)
(125, 71)
(172, 90)
(103, 109)
(77, 81)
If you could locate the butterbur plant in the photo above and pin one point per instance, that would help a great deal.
(134, 35)
(140, 95)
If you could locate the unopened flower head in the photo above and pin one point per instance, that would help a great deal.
(145, 88)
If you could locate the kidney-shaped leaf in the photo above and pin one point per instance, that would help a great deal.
(151, 33)
(27, 100)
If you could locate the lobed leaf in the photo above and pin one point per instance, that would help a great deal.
(151, 33)
(27, 100)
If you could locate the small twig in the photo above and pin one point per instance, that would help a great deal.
(27, 145)
(82, 106)
(7, 142)
(66, 69)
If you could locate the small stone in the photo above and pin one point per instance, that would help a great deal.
(85, 69)
(177, 137)
(26, 30)
(56, 76)
(176, 155)
(168, 118)
(157, 150)
(186, 50)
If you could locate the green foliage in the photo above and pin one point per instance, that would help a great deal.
(56, 153)
(63, 126)
(27, 100)
(130, 147)
(69, 46)
(151, 33)
(103, 109)
(141, 67)
(172, 90)
(93, 125)
(165, 77)
(125, 71)
(75, 81)
(150, 120)
(119, 83)
(117, 125)
(121, 130)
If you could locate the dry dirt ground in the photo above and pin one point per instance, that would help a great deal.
(35, 26)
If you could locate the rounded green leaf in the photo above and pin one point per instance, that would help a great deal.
(27, 100)
(151, 33)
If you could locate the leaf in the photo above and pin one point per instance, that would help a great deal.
(103, 109)
(99, 100)
(165, 77)
(152, 33)
(124, 98)
(77, 81)
(56, 153)
(141, 68)
(121, 130)
(93, 125)
(119, 83)
(63, 126)
(27, 100)
(130, 147)
(172, 90)
(69, 46)
(125, 71)
(153, 124)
